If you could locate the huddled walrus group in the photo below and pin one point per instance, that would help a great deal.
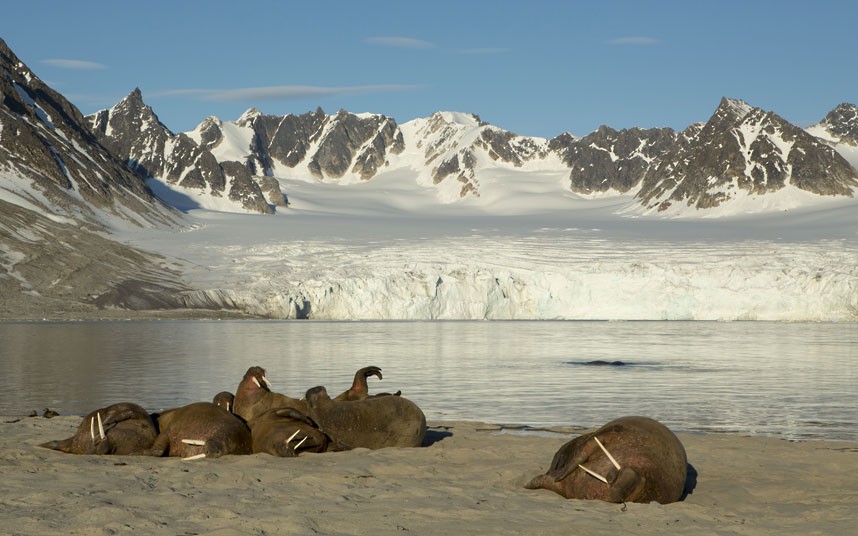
(254, 419)
(630, 459)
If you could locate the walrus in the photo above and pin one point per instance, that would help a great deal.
(224, 399)
(359, 389)
(286, 432)
(630, 459)
(198, 430)
(253, 397)
(123, 428)
(373, 423)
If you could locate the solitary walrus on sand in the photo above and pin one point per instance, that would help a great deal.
(374, 423)
(202, 429)
(123, 428)
(286, 432)
(630, 459)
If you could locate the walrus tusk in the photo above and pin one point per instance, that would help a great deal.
(295, 448)
(195, 457)
(92, 428)
(608, 454)
(197, 442)
(593, 473)
(256, 382)
(100, 426)
(291, 437)
(266, 382)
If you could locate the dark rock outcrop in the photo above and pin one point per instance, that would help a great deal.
(742, 149)
(132, 130)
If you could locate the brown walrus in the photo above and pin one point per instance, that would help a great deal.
(630, 459)
(374, 423)
(224, 399)
(359, 389)
(201, 429)
(123, 428)
(253, 397)
(286, 432)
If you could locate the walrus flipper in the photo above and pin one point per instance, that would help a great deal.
(359, 389)
(291, 413)
(570, 457)
(62, 445)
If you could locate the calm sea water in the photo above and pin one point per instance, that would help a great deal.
(788, 380)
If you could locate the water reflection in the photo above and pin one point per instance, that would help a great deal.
(791, 380)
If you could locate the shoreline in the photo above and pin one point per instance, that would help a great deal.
(469, 479)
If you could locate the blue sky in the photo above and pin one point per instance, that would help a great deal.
(538, 68)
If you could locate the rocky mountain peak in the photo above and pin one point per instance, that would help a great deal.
(248, 117)
(842, 123)
(732, 109)
(132, 130)
(743, 151)
(55, 153)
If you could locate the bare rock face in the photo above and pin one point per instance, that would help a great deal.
(609, 159)
(842, 124)
(132, 130)
(46, 141)
(359, 144)
(742, 149)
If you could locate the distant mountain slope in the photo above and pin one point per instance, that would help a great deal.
(741, 153)
(132, 130)
(744, 150)
(61, 192)
(51, 162)
(840, 129)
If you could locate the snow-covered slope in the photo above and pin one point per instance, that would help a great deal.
(742, 160)
(840, 129)
(133, 131)
(350, 255)
(749, 158)
(61, 192)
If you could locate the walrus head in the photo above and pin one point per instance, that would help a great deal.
(255, 378)
(316, 396)
(224, 399)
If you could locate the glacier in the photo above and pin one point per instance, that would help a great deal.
(385, 250)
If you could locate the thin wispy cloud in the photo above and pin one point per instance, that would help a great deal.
(281, 93)
(400, 42)
(74, 64)
(483, 51)
(634, 40)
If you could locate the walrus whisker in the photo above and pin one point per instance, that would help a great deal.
(197, 442)
(195, 457)
(92, 428)
(608, 454)
(300, 443)
(593, 473)
(100, 426)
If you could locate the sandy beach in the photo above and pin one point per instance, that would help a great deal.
(467, 480)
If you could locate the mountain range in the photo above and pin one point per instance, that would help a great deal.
(67, 181)
(739, 151)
